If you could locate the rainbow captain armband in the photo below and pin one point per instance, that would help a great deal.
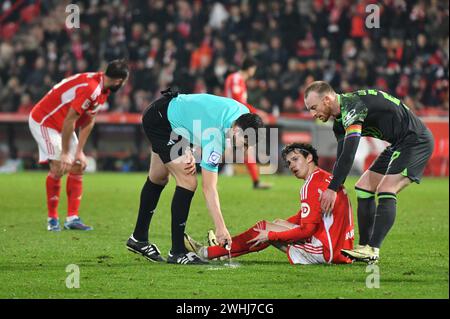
(353, 130)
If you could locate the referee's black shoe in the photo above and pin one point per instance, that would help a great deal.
(189, 258)
(144, 248)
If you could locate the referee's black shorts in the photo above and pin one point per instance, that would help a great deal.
(408, 157)
(166, 143)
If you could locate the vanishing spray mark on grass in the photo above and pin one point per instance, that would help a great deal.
(226, 265)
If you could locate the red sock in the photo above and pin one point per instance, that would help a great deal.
(53, 186)
(252, 168)
(74, 189)
(251, 250)
(239, 246)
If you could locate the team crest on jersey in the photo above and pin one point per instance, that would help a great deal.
(214, 158)
(305, 210)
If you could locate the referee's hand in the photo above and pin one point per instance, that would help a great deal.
(189, 167)
(223, 237)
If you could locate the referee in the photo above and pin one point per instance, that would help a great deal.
(173, 124)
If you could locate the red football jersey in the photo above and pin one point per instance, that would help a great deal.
(83, 92)
(336, 231)
(236, 89)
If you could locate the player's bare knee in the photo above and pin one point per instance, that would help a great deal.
(364, 183)
(387, 188)
(163, 181)
(159, 179)
(278, 221)
(369, 181)
(76, 169)
(55, 169)
(56, 173)
(187, 181)
(360, 184)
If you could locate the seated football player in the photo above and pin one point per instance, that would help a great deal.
(308, 237)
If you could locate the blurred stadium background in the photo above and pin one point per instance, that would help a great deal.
(193, 45)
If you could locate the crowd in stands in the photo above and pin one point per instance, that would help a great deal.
(193, 45)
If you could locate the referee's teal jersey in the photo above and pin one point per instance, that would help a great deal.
(204, 120)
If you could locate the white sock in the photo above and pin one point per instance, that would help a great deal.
(71, 218)
(203, 252)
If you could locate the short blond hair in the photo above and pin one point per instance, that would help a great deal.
(320, 87)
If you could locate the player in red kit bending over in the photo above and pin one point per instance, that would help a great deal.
(308, 237)
(236, 89)
(70, 104)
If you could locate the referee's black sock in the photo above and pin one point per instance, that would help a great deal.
(149, 199)
(181, 203)
(384, 218)
(366, 214)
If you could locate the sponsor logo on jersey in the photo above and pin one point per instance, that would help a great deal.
(350, 117)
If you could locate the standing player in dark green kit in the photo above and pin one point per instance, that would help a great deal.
(376, 114)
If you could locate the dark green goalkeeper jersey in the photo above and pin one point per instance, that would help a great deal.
(377, 114)
(381, 115)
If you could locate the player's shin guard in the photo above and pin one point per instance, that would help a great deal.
(384, 218)
(251, 250)
(53, 187)
(150, 194)
(181, 204)
(366, 214)
(74, 190)
(239, 245)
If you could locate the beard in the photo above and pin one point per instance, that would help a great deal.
(115, 88)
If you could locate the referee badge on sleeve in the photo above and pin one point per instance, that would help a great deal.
(214, 158)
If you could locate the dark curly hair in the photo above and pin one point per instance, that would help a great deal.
(250, 120)
(303, 149)
(248, 63)
(117, 69)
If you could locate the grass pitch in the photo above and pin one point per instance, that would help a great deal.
(33, 261)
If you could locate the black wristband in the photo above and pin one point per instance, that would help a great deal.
(334, 186)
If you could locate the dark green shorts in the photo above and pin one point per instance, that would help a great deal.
(408, 157)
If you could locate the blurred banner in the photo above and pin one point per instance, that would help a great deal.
(118, 143)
